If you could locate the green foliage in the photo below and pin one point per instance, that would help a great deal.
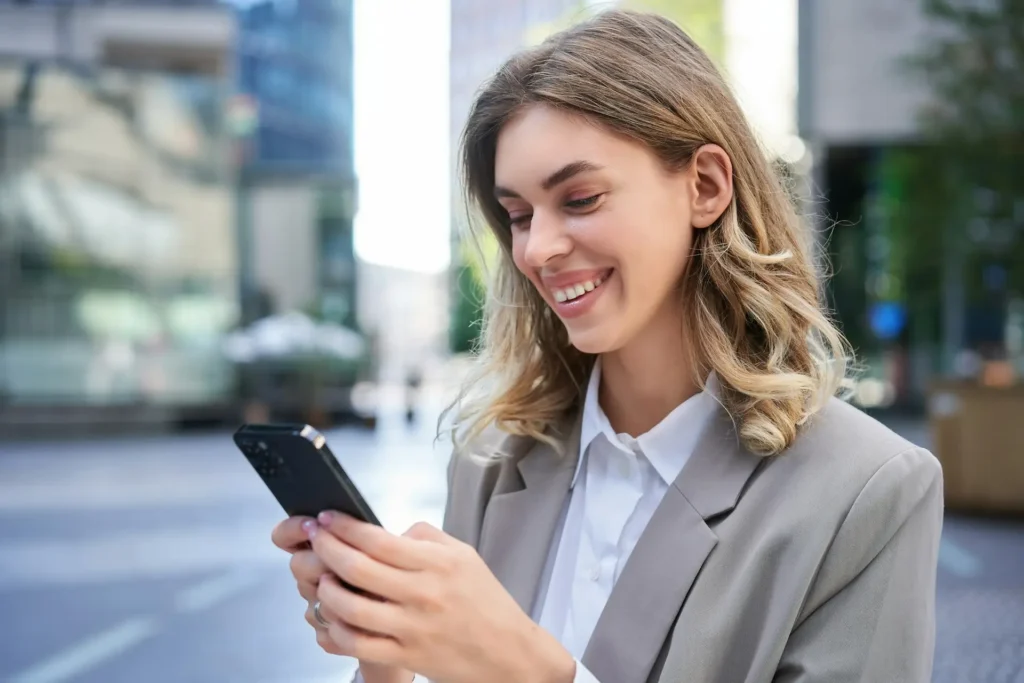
(973, 172)
(467, 313)
(476, 256)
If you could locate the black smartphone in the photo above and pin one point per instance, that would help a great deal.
(295, 463)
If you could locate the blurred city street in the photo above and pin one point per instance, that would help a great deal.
(204, 220)
(148, 558)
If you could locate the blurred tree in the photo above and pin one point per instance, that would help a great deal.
(468, 309)
(963, 191)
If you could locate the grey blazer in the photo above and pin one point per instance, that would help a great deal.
(816, 566)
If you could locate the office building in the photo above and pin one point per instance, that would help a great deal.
(118, 264)
(295, 69)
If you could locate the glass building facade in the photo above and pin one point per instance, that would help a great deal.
(120, 254)
(117, 252)
(295, 59)
(295, 65)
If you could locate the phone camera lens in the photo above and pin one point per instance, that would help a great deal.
(267, 462)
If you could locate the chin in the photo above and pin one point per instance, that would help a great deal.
(594, 341)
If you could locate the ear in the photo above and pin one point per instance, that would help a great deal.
(710, 180)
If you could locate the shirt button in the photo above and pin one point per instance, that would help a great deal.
(595, 573)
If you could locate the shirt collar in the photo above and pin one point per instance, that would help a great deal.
(668, 445)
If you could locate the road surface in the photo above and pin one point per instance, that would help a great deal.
(127, 560)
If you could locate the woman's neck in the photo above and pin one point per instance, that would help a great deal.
(646, 380)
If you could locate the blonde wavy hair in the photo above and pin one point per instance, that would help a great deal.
(751, 291)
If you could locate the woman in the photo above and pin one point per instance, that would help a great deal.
(654, 480)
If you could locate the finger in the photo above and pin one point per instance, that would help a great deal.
(397, 551)
(310, 615)
(359, 569)
(307, 566)
(366, 647)
(323, 638)
(307, 590)
(326, 613)
(290, 535)
(327, 644)
(422, 531)
(360, 612)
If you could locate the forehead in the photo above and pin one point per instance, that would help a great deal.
(540, 140)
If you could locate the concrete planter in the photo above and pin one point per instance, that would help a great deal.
(978, 435)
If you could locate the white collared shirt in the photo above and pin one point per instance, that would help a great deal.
(618, 484)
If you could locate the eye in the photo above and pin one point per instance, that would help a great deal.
(585, 202)
(519, 220)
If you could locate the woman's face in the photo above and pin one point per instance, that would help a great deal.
(599, 226)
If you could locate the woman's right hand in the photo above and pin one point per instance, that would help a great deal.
(292, 536)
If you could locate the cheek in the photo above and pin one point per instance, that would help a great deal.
(656, 256)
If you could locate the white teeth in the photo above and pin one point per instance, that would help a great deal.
(573, 291)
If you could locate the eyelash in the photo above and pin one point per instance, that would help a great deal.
(583, 203)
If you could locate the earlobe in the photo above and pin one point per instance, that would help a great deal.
(713, 188)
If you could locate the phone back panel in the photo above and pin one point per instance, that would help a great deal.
(300, 470)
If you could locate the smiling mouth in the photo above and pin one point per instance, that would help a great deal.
(572, 292)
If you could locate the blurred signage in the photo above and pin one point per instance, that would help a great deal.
(887, 319)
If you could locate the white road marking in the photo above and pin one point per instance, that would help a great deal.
(208, 593)
(89, 653)
(130, 556)
(170, 552)
(103, 491)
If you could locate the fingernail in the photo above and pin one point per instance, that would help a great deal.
(325, 518)
(309, 527)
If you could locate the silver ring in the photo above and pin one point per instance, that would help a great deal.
(319, 617)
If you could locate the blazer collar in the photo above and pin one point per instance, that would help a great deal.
(666, 561)
(521, 522)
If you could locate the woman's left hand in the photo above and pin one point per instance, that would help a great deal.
(441, 612)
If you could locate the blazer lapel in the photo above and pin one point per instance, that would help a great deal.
(653, 586)
(520, 522)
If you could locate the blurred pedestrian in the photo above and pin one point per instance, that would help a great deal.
(653, 479)
(413, 380)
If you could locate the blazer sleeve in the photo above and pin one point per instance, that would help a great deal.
(870, 614)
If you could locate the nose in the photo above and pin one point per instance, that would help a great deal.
(546, 240)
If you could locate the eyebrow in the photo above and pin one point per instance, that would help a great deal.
(555, 179)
